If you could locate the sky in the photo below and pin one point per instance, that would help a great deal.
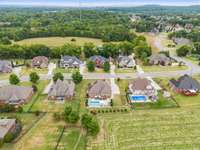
(98, 3)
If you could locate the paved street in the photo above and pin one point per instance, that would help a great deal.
(193, 69)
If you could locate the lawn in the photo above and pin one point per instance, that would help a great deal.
(182, 100)
(43, 136)
(41, 85)
(59, 41)
(97, 70)
(27, 71)
(72, 139)
(65, 70)
(125, 70)
(4, 76)
(155, 68)
(194, 60)
(168, 129)
(27, 120)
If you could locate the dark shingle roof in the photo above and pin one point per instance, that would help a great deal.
(186, 82)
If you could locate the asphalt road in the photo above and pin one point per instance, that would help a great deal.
(193, 69)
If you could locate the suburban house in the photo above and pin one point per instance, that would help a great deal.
(70, 62)
(99, 94)
(126, 62)
(5, 66)
(61, 90)
(40, 62)
(98, 60)
(159, 59)
(185, 85)
(142, 90)
(7, 126)
(15, 95)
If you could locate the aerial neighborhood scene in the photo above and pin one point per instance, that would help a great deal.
(99, 75)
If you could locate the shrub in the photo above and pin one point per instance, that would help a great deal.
(73, 40)
(34, 77)
(13, 79)
(37, 113)
(106, 66)
(57, 76)
(9, 137)
(56, 116)
(91, 66)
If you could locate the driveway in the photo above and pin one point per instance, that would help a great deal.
(114, 86)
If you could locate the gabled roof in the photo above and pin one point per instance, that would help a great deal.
(186, 82)
(70, 59)
(39, 60)
(62, 88)
(159, 57)
(5, 126)
(99, 58)
(99, 88)
(141, 84)
(125, 60)
(13, 92)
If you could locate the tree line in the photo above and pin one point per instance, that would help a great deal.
(138, 46)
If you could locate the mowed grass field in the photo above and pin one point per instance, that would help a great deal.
(163, 129)
(59, 41)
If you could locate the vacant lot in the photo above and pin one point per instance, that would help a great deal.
(163, 68)
(176, 129)
(59, 41)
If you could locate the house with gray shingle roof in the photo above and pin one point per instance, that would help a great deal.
(62, 90)
(15, 95)
(185, 85)
(6, 126)
(5, 66)
(70, 62)
(99, 94)
(98, 60)
(126, 62)
(159, 59)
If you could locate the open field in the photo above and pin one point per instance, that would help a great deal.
(176, 129)
(59, 41)
(4, 76)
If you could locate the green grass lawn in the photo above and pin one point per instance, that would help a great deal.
(182, 100)
(163, 68)
(72, 138)
(27, 120)
(59, 41)
(193, 59)
(43, 136)
(4, 76)
(157, 129)
(27, 71)
(97, 70)
(65, 70)
(125, 70)
(41, 85)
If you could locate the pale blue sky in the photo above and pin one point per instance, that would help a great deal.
(99, 2)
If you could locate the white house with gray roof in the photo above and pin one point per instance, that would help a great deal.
(15, 95)
(126, 62)
(5, 66)
(62, 90)
(70, 62)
